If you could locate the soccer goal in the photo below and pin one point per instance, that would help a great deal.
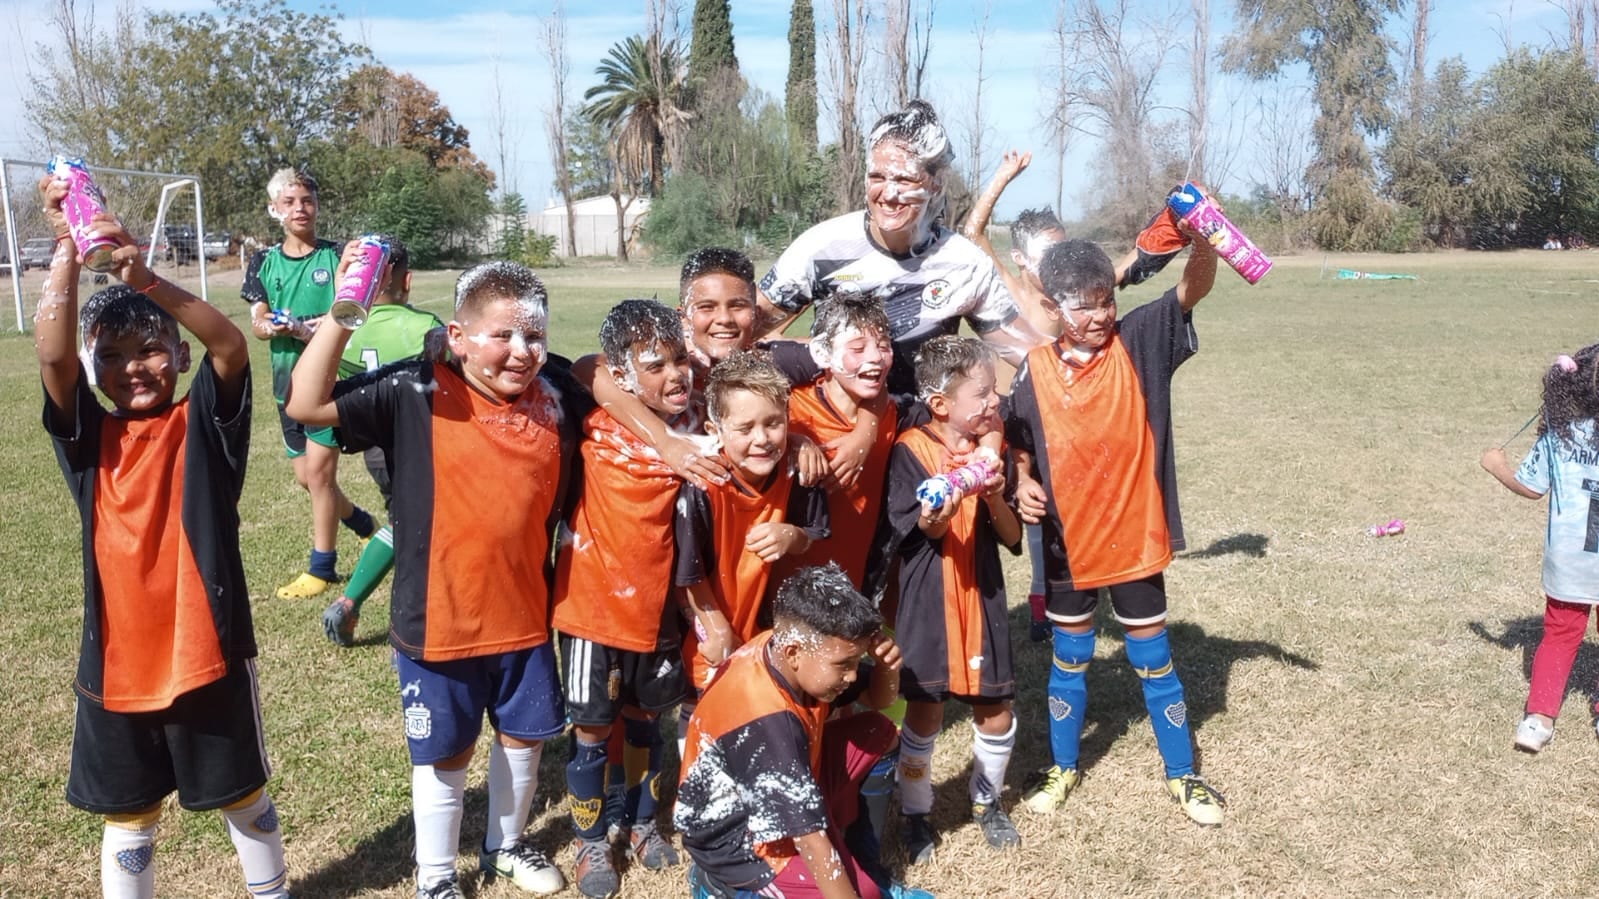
(164, 211)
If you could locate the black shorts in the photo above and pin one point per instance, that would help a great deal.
(377, 465)
(1135, 603)
(207, 745)
(915, 692)
(600, 679)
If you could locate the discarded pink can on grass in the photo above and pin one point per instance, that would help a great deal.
(82, 203)
(1397, 526)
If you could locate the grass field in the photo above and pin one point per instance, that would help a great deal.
(1354, 697)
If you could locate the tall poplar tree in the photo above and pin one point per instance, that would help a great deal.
(799, 97)
(711, 47)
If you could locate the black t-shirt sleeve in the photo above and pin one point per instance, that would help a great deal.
(793, 359)
(253, 291)
(900, 506)
(228, 429)
(1159, 336)
(807, 510)
(368, 403)
(576, 402)
(691, 528)
(912, 412)
(1023, 408)
(77, 441)
(770, 760)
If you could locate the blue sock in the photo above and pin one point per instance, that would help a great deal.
(585, 784)
(1163, 696)
(1068, 694)
(324, 565)
(360, 521)
(643, 796)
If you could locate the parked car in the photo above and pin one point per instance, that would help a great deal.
(183, 246)
(36, 253)
(216, 244)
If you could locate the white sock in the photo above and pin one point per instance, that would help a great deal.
(513, 778)
(127, 862)
(990, 758)
(438, 799)
(256, 837)
(915, 771)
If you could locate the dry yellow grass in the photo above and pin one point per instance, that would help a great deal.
(1353, 697)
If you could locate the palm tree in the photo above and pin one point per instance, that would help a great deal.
(640, 102)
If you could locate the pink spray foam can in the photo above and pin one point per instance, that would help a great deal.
(354, 297)
(1200, 212)
(966, 480)
(83, 202)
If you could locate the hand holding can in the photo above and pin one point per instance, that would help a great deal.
(82, 203)
(360, 283)
(1205, 217)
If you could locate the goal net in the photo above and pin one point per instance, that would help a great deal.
(164, 211)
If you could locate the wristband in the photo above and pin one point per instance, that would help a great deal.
(155, 281)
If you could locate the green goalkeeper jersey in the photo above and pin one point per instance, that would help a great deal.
(392, 333)
(302, 286)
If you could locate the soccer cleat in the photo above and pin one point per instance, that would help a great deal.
(1038, 631)
(997, 827)
(918, 840)
(1199, 799)
(697, 888)
(594, 870)
(1050, 788)
(526, 867)
(339, 621)
(444, 889)
(305, 586)
(649, 848)
(1533, 733)
(897, 890)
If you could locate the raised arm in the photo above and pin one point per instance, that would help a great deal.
(311, 386)
(976, 225)
(770, 321)
(55, 326)
(1199, 274)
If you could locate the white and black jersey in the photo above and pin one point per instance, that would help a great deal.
(925, 293)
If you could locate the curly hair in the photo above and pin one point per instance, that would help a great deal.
(751, 371)
(1570, 397)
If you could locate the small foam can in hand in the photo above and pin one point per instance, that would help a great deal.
(965, 480)
(82, 203)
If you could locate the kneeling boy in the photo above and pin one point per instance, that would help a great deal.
(769, 783)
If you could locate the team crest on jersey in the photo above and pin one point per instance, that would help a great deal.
(321, 277)
(935, 294)
(1059, 709)
(418, 721)
(1177, 713)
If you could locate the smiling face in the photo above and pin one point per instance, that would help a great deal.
(754, 433)
(138, 373)
(898, 193)
(858, 359)
(296, 207)
(660, 375)
(720, 310)
(501, 347)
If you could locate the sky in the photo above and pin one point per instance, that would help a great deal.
(457, 49)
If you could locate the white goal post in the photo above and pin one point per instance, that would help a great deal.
(146, 202)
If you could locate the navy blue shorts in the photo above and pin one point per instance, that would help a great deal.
(444, 702)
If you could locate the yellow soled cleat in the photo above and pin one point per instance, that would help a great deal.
(1199, 799)
(1048, 793)
(305, 586)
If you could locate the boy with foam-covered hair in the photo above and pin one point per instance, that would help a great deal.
(770, 784)
(729, 536)
(290, 288)
(1091, 421)
(469, 613)
(166, 685)
(620, 639)
(951, 621)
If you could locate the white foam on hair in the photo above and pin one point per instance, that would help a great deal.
(525, 286)
(919, 132)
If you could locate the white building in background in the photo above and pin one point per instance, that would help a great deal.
(595, 225)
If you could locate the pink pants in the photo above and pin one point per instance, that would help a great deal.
(850, 747)
(1563, 627)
